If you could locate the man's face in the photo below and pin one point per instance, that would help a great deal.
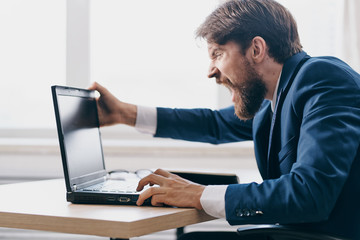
(231, 68)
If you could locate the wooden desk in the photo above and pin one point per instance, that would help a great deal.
(42, 206)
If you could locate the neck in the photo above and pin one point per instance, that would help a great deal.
(270, 71)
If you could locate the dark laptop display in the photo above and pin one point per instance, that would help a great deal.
(81, 151)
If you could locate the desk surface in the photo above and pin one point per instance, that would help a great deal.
(42, 206)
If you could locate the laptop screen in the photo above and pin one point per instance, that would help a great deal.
(81, 135)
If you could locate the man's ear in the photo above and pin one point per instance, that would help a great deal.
(258, 49)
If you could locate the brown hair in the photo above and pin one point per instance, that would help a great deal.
(242, 20)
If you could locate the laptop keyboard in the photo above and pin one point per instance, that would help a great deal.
(114, 187)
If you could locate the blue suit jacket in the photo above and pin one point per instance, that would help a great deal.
(307, 151)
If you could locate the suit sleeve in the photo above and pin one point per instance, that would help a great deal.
(327, 154)
(202, 125)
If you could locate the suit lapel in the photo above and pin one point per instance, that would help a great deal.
(262, 123)
(272, 169)
(289, 72)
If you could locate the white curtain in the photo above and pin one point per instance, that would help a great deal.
(351, 33)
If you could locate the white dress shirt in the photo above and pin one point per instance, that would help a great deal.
(213, 198)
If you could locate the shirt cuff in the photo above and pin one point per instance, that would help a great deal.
(146, 119)
(213, 200)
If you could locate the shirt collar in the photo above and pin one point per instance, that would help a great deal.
(273, 101)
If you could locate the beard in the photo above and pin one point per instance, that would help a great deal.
(251, 94)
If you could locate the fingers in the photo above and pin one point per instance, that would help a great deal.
(96, 86)
(151, 192)
(150, 179)
(171, 175)
(92, 86)
(163, 172)
(158, 177)
(172, 190)
(158, 200)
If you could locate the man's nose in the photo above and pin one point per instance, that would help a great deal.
(213, 72)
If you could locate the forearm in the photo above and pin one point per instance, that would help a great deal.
(127, 114)
(202, 125)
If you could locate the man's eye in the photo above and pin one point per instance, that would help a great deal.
(218, 54)
(230, 83)
(215, 55)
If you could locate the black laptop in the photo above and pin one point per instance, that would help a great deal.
(86, 178)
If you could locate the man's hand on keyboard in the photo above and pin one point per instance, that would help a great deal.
(172, 190)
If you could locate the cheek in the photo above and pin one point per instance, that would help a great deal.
(223, 64)
(234, 72)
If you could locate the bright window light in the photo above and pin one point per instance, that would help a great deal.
(32, 58)
(144, 51)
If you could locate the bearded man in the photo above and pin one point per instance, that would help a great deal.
(302, 113)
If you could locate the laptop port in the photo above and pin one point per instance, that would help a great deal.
(124, 199)
(111, 199)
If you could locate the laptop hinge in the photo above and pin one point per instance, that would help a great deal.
(76, 187)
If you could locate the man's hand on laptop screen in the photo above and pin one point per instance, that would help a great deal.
(111, 110)
(172, 190)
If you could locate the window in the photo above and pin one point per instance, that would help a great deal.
(32, 47)
(143, 51)
(319, 25)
